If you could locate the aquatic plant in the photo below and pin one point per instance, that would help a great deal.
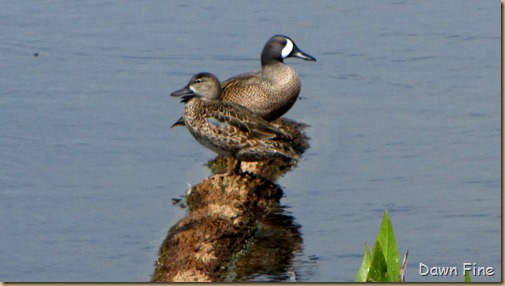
(383, 264)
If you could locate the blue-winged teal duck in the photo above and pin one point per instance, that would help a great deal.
(228, 128)
(272, 91)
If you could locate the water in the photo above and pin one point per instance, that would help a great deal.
(403, 103)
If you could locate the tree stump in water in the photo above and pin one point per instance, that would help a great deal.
(224, 211)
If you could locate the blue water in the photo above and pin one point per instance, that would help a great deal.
(403, 102)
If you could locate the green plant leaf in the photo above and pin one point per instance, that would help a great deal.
(365, 265)
(386, 238)
(378, 265)
(467, 277)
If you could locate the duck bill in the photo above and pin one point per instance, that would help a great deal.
(184, 93)
(297, 53)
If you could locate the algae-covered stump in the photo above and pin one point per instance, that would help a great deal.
(223, 214)
(224, 211)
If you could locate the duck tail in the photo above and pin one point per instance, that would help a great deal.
(288, 152)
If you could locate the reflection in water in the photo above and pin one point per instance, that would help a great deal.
(234, 214)
(272, 256)
(405, 113)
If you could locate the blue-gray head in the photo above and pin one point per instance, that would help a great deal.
(280, 47)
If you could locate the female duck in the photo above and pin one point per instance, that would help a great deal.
(228, 128)
(272, 91)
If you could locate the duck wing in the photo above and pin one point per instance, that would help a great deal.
(241, 118)
(240, 81)
(243, 87)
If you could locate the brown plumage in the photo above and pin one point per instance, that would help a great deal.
(228, 128)
(272, 91)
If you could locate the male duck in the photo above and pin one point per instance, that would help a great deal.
(272, 91)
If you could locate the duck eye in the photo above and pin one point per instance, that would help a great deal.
(198, 80)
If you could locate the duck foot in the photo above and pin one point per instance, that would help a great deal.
(233, 170)
(236, 170)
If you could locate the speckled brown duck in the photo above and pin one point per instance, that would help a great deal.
(228, 128)
(272, 91)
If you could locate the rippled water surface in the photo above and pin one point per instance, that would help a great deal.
(403, 104)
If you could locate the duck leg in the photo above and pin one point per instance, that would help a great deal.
(232, 168)
(236, 170)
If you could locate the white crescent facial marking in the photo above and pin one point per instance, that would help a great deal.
(287, 49)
